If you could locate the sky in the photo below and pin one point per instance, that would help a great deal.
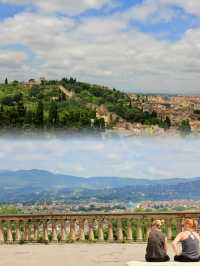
(151, 158)
(150, 46)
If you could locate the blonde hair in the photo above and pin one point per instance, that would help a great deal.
(157, 223)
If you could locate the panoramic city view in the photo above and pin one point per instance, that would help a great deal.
(99, 132)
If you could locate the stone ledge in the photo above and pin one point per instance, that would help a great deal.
(169, 263)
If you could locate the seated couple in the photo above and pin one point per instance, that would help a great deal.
(189, 239)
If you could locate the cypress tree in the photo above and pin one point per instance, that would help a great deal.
(21, 112)
(39, 116)
(167, 123)
(53, 114)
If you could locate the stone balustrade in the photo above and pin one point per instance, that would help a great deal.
(98, 227)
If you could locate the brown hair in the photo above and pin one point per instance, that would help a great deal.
(190, 223)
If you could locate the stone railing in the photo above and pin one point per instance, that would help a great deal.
(108, 227)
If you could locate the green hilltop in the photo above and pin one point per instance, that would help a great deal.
(67, 104)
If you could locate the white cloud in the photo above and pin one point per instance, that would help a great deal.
(66, 6)
(191, 6)
(11, 62)
(152, 11)
(7, 57)
(102, 49)
(69, 6)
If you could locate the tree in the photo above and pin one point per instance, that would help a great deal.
(15, 83)
(12, 117)
(18, 97)
(154, 114)
(53, 114)
(64, 120)
(185, 127)
(72, 80)
(99, 123)
(167, 123)
(8, 100)
(6, 81)
(39, 116)
(21, 111)
(35, 91)
(2, 116)
(29, 119)
(130, 103)
(62, 97)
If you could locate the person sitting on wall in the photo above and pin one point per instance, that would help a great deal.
(156, 250)
(189, 240)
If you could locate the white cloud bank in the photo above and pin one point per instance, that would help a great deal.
(134, 158)
(162, 9)
(103, 49)
(71, 7)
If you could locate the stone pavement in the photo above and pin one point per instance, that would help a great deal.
(171, 263)
(72, 255)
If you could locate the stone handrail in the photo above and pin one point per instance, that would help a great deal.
(109, 227)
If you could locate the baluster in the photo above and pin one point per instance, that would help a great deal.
(67, 230)
(18, 233)
(26, 232)
(54, 232)
(179, 227)
(120, 236)
(110, 232)
(9, 233)
(100, 233)
(45, 232)
(169, 230)
(36, 232)
(31, 231)
(1, 234)
(63, 235)
(82, 230)
(139, 231)
(148, 230)
(130, 232)
(72, 230)
(91, 231)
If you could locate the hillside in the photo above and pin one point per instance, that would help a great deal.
(68, 105)
(44, 180)
(37, 185)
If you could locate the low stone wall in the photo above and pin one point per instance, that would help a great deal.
(98, 227)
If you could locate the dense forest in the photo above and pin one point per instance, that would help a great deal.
(44, 106)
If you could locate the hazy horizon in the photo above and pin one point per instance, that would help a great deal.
(137, 157)
(97, 176)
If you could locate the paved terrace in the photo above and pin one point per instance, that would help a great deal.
(107, 239)
(72, 254)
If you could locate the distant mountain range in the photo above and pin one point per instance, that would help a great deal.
(38, 185)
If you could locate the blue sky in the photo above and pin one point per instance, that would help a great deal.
(135, 45)
(8, 10)
(135, 158)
